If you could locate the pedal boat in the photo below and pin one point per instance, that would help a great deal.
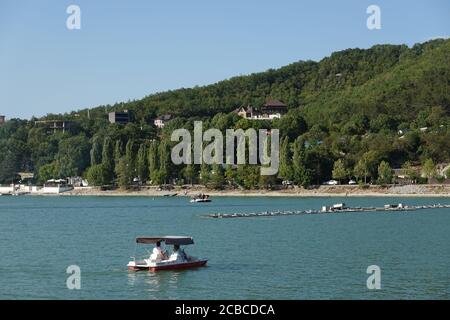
(169, 264)
(200, 198)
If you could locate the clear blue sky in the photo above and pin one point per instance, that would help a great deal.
(129, 49)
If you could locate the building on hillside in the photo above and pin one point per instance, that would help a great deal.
(123, 117)
(275, 108)
(161, 121)
(403, 176)
(54, 125)
(400, 173)
(272, 109)
(2, 120)
(244, 112)
(26, 176)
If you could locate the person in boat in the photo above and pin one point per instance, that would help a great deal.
(178, 254)
(158, 253)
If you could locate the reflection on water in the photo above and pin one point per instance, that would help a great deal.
(132, 278)
(154, 283)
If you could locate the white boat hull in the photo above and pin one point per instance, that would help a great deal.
(166, 265)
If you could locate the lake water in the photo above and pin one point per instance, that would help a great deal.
(293, 257)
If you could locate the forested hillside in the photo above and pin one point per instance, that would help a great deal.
(355, 114)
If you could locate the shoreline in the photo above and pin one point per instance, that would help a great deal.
(412, 191)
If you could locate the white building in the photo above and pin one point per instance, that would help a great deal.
(273, 109)
(161, 120)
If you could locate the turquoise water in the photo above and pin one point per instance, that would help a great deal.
(294, 257)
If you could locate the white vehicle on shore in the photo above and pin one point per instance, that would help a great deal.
(331, 183)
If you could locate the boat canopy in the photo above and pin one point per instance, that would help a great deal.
(169, 240)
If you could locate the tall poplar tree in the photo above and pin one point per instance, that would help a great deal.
(141, 163)
(96, 151)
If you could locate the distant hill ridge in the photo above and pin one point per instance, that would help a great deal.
(390, 79)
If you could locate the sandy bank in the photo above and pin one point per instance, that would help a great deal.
(322, 191)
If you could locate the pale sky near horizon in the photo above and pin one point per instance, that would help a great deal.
(129, 49)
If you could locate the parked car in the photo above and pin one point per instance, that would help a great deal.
(352, 182)
(331, 183)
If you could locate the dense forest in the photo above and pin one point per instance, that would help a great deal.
(354, 115)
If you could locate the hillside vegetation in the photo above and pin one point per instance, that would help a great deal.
(355, 114)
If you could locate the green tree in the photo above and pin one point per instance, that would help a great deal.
(9, 168)
(142, 163)
(266, 182)
(204, 174)
(340, 172)
(429, 169)
(108, 161)
(73, 156)
(361, 170)
(97, 175)
(251, 176)
(437, 116)
(48, 171)
(409, 171)
(286, 171)
(366, 166)
(123, 173)
(385, 173)
(164, 161)
(319, 164)
(96, 151)
(189, 173)
(130, 157)
(230, 175)
(217, 176)
(301, 174)
(125, 167)
(118, 151)
(152, 158)
(292, 125)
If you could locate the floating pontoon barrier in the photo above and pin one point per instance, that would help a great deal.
(327, 210)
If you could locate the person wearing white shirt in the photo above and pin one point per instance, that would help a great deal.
(178, 254)
(158, 253)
